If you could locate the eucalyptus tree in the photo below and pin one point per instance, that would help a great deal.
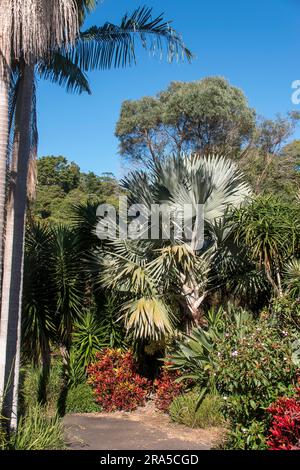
(163, 279)
(205, 116)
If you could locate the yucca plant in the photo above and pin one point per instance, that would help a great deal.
(87, 338)
(165, 281)
(269, 229)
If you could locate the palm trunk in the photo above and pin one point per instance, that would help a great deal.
(5, 57)
(14, 251)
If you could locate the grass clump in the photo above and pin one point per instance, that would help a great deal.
(184, 410)
(38, 432)
(37, 389)
(81, 399)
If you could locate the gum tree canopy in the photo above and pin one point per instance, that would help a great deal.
(204, 116)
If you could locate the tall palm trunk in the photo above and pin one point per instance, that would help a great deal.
(14, 250)
(5, 57)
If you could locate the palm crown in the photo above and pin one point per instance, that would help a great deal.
(148, 273)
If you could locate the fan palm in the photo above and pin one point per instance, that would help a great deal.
(152, 273)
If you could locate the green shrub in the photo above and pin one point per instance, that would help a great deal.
(252, 437)
(253, 370)
(81, 399)
(4, 441)
(38, 432)
(248, 363)
(184, 410)
(285, 312)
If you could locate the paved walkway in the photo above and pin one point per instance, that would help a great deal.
(140, 430)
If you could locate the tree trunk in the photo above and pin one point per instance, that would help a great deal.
(14, 250)
(5, 58)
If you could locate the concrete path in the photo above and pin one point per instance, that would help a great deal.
(134, 431)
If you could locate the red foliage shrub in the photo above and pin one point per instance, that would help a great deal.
(116, 383)
(167, 389)
(285, 428)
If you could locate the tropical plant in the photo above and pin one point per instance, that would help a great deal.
(195, 355)
(54, 23)
(284, 433)
(81, 399)
(167, 388)
(37, 432)
(69, 289)
(185, 410)
(269, 228)
(115, 380)
(38, 325)
(291, 278)
(285, 312)
(161, 274)
(86, 338)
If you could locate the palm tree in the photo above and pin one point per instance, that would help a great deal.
(5, 58)
(39, 26)
(98, 48)
(150, 274)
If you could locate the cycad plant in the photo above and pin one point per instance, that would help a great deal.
(164, 281)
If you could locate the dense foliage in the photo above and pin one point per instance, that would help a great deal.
(205, 116)
(167, 387)
(285, 424)
(224, 314)
(61, 185)
(115, 380)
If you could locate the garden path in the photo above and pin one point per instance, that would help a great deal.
(143, 429)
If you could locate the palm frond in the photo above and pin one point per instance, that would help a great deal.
(114, 45)
(148, 317)
(59, 69)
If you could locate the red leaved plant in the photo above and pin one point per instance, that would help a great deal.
(285, 427)
(167, 388)
(115, 380)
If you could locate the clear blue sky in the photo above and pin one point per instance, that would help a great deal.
(254, 44)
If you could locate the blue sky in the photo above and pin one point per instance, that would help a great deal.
(255, 45)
